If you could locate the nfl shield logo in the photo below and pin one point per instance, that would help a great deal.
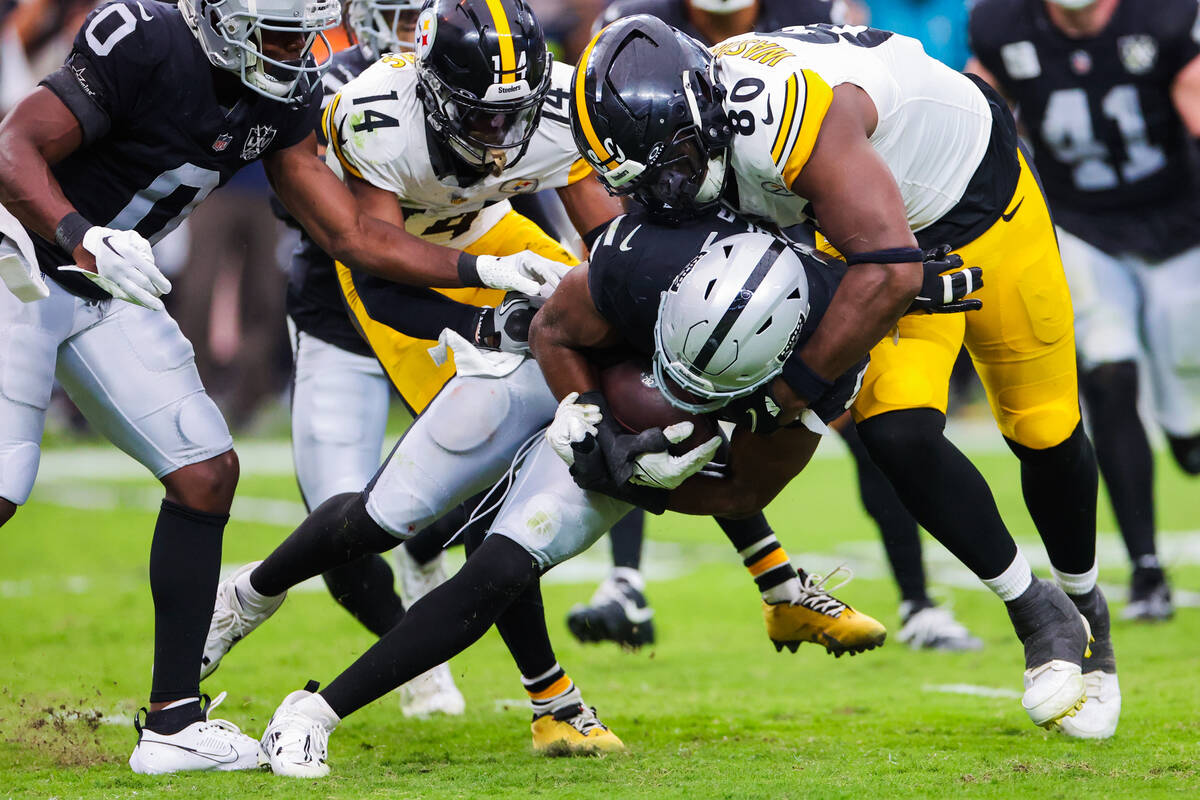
(1081, 62)
(222, 142)
(1138, 53)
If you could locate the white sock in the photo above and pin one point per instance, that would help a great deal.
(1077, 584)
(1012, 583)
(249, 597)
(314, 706)
(787, 592)
(630, 576)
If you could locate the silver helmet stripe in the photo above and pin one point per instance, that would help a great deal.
(768, 258)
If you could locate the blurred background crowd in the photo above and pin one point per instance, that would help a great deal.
(228, 262)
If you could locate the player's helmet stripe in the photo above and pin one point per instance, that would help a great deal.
(738, 305)
(585, 122)
(785, 122)
(508, 58)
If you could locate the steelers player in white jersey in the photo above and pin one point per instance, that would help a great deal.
(888, 153)
(437, 140)
(1108, 92)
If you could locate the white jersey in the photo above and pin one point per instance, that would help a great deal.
(933, 129)
(377, 132)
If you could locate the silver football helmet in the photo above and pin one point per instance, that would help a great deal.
(729, 321)
(376, 24)
(231, 35)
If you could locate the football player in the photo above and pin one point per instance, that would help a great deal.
(1109, 93)
(453, 450)
(620, 596)
(888, 151)
(104, 158)
(340, 392)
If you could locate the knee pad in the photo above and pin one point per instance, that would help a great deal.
(1187, 452)
(1064, 455)
(896, 438)
(1039, 428)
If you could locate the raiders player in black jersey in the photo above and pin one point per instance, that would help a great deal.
(607, 616)
(156, 107)
(1109, 94)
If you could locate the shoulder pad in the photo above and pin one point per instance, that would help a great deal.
(141, 33)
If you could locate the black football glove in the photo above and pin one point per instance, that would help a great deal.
(506, 327)
(605, 462)
(947, 294)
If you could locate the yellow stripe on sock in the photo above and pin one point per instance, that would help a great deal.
(561, 685)
(771, 560)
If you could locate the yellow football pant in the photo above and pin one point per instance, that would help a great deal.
(406, 360)
(1022, 340)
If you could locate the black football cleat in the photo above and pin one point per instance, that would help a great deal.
(618, 612)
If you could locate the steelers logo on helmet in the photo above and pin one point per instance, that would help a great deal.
(483, 72)
(647, 116)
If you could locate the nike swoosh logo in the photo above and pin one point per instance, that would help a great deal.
(634, 614)
(624, 246)
(227, 757)
(109, 244)
(767, 120)
(1008, 217)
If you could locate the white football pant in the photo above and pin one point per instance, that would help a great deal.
(339, 415)
(1128, 308)
(128, 369)
(464, 442)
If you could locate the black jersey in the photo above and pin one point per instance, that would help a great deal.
(772, 14)
(1116, 161)
(636, 258)
(162, 128)
(314, 298)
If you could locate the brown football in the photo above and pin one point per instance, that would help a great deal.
(635, 401)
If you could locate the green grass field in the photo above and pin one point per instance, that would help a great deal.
(710, 711)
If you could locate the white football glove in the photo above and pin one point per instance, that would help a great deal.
(124, 267)
(662, 470)
(572, 423)
(525, 272)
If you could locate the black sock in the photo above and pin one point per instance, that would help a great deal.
(366, 588)
(1186, 450)
(941, 487)
(1060, 485)
(337, 532)
(1123, 451)
(901, 537)
(768, 563)
(173, 720)
(185, 567)
(439, 626)
(626, 538)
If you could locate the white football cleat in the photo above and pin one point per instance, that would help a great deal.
(1056, 638)
(207, 744)
(1053, 690)
(431, 692)
(231, 621)
(1101, 711)
(418, 580)
(934, 628)
(296, 741)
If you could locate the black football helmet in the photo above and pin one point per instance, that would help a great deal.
(483, 72)
(646, 113)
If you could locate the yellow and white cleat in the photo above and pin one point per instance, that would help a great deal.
(571, 731)
(819, 617)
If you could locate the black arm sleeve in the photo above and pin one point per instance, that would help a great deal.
(416, 312)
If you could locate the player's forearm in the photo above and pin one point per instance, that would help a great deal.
(387, 251)
(28, 189)
(565, 368)
(867, 305)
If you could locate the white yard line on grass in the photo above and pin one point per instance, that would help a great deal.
(970, 689)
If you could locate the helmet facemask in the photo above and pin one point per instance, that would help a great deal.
(382, 26)
(232, 34)
(487, 133)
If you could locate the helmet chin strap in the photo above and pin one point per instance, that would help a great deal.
(714, 179)
(497, 159)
